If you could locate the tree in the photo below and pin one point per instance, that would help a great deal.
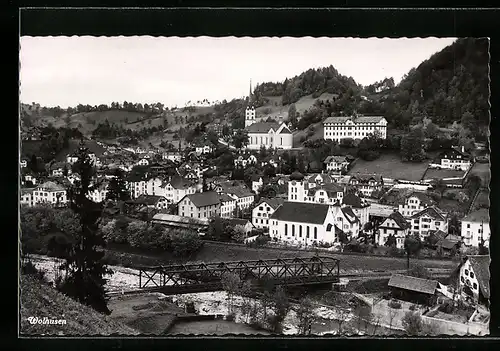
(412, 146)
(292, 115)
(117, 188)
(419, 271)
(413, 324)
(391, 241)
(231, 283)
(85, 265)
(341, 302)
(468, 121)
(391, 314)
(305, 315)
(412, 245)
(280, 305)
(240, 139)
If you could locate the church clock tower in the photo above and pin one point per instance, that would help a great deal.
(250, 110)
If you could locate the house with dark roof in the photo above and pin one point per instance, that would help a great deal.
(200, 205)
(243, 196)
(431, 218)
(354, 127)
(300, 187)
(227, 206)
(474, 278)
(243, 223)
(264, 210)
(455, 158)
(50, 193)
(178, 187)
(413, 289)
(270, 135)
(415, 202)
(395, 225)
(476, 228)
(359, 205)
(151, 201)
(366, 184)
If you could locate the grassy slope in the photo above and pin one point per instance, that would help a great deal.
(40, 300)
(73, 145)
(390, 166)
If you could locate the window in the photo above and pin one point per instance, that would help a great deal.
(315, 233)
(286, 229)
(438, 223)
(307, 232)
(293, 229)
(466, 272)
(468, 225)
(300, 231)
(474, 285)
(471, 274)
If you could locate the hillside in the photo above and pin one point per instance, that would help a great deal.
(38, 300)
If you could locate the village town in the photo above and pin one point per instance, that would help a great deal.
(419, 237)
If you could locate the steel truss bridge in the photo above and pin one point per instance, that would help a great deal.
(202, 277)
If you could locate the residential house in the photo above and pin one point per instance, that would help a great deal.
(354, 127)
(245, 160)
(152, 201)
(308, 223)
(71, 158)
(395, 225)
(264, 210)
(57, 169)
(243, 196)
(455, 158)
(367, 184)
(257, 183)
(28, 178)
(299, 186)
(347, 221)
(329, 193)
(476, 228)
(176, 188)
(227, 206)
(172, 156)
(73, 177)
(200, 205)
(414, 203)
(245, 224)
(359, 205)
(336, 163)
(428, 220)
(474, 281)
(99, 194)
(143, 162)
(27, 198)
(204, 148)
(50, 193)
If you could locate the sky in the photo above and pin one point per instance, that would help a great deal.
(67, 71)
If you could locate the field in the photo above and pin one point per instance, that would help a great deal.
(274, 108)
(318, 134)
(391, 166)
(482, 200)
(483, 171)
(73, 145)
(443, 173)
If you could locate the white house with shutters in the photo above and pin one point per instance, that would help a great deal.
(395, 225)
(430, 219)
(476, 228)
(264, 210)
(414, 203)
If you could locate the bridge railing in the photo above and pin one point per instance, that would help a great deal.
(286, 271)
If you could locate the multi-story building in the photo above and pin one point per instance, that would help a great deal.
(414, 203)
(476, 228)
(227, 206)
(367, 184)
(243, 196)
(430, 219)
(269, 135)
(264, 210)
(354, 127)
(99, 194)
(23, 163)
(50, 193)
(474, 281)
(395, 225)
(27, 197)
(245, 160)
(200, 205)
(336, 163)
(152, 201)
(455, 158)
(298, 190)
(177, 188)
(360, 207)
(172, 156)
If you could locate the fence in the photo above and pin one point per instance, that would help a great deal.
(456, 328)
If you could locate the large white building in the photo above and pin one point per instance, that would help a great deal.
(308, 223)
(476, 227)
(354, 127)
(430, 219)
(319, 188)
(414, 203)
(455, 158)
(49, 193)
(395, 225)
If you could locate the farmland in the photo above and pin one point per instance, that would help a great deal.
(443, 173)
(482, 170)
(391, 166)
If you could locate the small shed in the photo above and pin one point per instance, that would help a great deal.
(413, 289)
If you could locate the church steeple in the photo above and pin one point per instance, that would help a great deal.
(250, 93)
(250, 110)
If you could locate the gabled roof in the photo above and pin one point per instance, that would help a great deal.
(354, 201)
(207, 198)
(399, 219)
(238, 191)
(238, 221)
(349, 214)
(481, 215)
(431, 211)
(423, 197)
(453, 152)
(365, 178)
(225, 198)
(481, 267)
(50, 186)
(324, 178)
(180, 183)
(301, 212)
(331, 189)
(149, 200)
(274, 202)
(338, 159)
(285, 130)
(407, 282)
(262, 127)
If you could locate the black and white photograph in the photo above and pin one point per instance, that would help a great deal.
(311, 186)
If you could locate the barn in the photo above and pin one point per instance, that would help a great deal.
(413, 289)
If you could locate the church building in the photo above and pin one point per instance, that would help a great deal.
(267, 134)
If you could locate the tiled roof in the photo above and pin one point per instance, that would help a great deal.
(238, 191)
(358, 119)
(148, 199)
(285, 130)
(262, 127)
(349, 214)
(431, 211)
(365, 178)
(338, 159)
(301, 212)
(180, 183)
(273, 202)
(407, 282)
(481, 267)
(481, 215)
(324, 178)
(331, 189)
(423, 197)
(50, 186)
(399, 219)
(354, 201)
(225, 198)
(296, 176)
(204, 199)
(238, 221)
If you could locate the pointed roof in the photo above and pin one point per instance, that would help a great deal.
(262, 127)
(399, 219)
(301, 212)
(349, 214)
(481, 267)
(423, 197)
(204, 199)
(273, 202)
(354, 201)
(431, 211)
(407, 282)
